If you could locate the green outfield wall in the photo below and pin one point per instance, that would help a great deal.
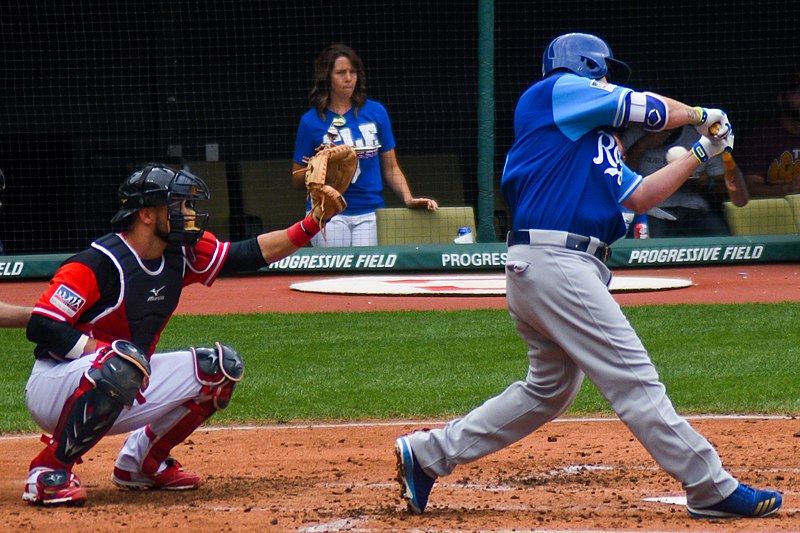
(628, 253)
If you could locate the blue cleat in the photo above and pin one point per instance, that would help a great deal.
(744, 502)
(415, 485)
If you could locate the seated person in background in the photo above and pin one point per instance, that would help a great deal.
(770, 156)
(693, 210)
(341, 113)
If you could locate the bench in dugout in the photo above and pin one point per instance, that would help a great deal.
(400, 225)
(763, 216)
(794, 202)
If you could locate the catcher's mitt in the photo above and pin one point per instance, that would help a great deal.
(328, 175)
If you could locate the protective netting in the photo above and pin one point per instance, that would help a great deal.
(93, 90)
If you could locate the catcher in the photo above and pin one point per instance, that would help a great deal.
(97, 326)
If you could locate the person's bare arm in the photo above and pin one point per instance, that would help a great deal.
(680, 114)
(298, 178)
(660, 185)
(397, 182)
(14, 316)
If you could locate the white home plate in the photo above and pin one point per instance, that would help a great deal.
(460, 284)
(671, 500)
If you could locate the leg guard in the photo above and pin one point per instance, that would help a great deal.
(218, 369)
(111, 383)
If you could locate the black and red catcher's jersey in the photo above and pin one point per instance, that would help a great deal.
(108, 292)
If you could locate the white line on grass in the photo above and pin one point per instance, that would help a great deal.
(398, 423)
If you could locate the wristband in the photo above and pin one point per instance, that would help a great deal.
(301, 232)
(77, 349)
(703, 115)
(699, 151)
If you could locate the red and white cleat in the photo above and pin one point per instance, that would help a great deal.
(49, 487)
(171, 477)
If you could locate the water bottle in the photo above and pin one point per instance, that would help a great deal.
(464, 235)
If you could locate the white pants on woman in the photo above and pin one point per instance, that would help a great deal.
(345, 230)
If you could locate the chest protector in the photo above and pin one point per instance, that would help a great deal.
(147, 297)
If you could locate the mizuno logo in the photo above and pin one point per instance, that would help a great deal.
(157, 296)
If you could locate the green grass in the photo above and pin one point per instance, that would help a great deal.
(345, 366)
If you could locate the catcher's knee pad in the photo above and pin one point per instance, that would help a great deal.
(218, 369)
(110, 384)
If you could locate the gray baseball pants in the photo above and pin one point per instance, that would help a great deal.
(563, 310)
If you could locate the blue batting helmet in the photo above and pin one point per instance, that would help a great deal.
(586, 55)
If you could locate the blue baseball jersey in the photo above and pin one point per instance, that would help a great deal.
(371, 127)
(564, 171)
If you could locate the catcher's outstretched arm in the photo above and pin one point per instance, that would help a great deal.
(275, 245)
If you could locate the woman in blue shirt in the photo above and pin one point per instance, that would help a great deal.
(342, 114)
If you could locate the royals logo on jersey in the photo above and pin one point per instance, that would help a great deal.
(608, 155)
(67, 300)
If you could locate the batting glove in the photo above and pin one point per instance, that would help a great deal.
(706, 148)
(709, 118)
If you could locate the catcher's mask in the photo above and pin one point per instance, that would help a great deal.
(156, 185)
(586, 55)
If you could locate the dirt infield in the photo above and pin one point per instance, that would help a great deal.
(571, 475)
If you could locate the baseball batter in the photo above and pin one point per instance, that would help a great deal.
(97, 325)
(565, 182)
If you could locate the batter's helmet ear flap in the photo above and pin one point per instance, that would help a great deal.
(586, 55)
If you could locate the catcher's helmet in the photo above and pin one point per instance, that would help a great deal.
(160, 185)
(586, 55)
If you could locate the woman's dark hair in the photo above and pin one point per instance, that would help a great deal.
(323, 66)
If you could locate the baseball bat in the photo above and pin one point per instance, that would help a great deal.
(734, 180)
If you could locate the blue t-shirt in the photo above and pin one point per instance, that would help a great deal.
(564, 171)
(370, 128)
